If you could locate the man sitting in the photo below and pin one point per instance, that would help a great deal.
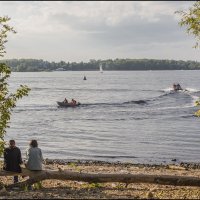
(12, 159)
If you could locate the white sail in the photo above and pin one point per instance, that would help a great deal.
(100, 68)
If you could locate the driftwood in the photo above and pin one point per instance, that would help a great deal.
(35, 177)
(174, 167)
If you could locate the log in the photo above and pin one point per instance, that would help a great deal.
(25, 172)
(102, 178)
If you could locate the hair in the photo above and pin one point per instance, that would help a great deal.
(33, 143)
(11, 142)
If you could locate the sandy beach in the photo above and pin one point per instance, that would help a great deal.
(56, 189)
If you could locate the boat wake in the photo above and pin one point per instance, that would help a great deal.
(136, 102)
(169, 99)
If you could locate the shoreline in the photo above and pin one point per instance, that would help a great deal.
(187, 165)
(65, 189)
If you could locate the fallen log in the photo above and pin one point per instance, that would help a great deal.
(35, 177)
(25, 172)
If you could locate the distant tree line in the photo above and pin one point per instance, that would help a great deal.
(34, 65)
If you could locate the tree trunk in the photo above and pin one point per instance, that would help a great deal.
(101, 178)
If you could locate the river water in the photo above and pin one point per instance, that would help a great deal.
(127, 116)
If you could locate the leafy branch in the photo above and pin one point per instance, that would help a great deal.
(7, 100)
(191, 19)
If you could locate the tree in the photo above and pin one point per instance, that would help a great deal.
(7, 100)
(191, 19)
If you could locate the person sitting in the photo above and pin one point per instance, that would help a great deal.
(65, 101)
(179, 87)
(12, 159)
(73, 102)
(34, 158)
(174, 86)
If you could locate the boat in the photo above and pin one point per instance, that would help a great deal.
(84, 78)
(177, 87)
(63, 104)
(100, 68)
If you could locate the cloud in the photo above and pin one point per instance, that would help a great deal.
(73, 30)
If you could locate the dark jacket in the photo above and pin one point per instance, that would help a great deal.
(12, 159)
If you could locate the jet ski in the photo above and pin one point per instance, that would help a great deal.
(177, 87)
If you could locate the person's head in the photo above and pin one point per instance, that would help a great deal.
(12, 143)
(33, 143)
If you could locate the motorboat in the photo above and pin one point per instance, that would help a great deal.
(63, 104)
(177, 87)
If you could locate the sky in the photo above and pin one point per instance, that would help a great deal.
(75, 31)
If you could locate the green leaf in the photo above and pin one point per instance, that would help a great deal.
(7, 100)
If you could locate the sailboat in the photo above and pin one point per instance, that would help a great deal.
(100, 68)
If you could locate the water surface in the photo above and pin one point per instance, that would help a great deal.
(130, 116)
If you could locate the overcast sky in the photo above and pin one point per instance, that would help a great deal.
(84, 30)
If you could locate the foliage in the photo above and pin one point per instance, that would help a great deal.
(25, 188)
(4, 29)
(7, 100)
(197, 113)
(72, 164)
(191, 20)
(37, 185)
(32, 65)
(75, 166)
(120, 186)
(95, 185)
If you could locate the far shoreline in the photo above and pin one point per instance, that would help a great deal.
(110, 70)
